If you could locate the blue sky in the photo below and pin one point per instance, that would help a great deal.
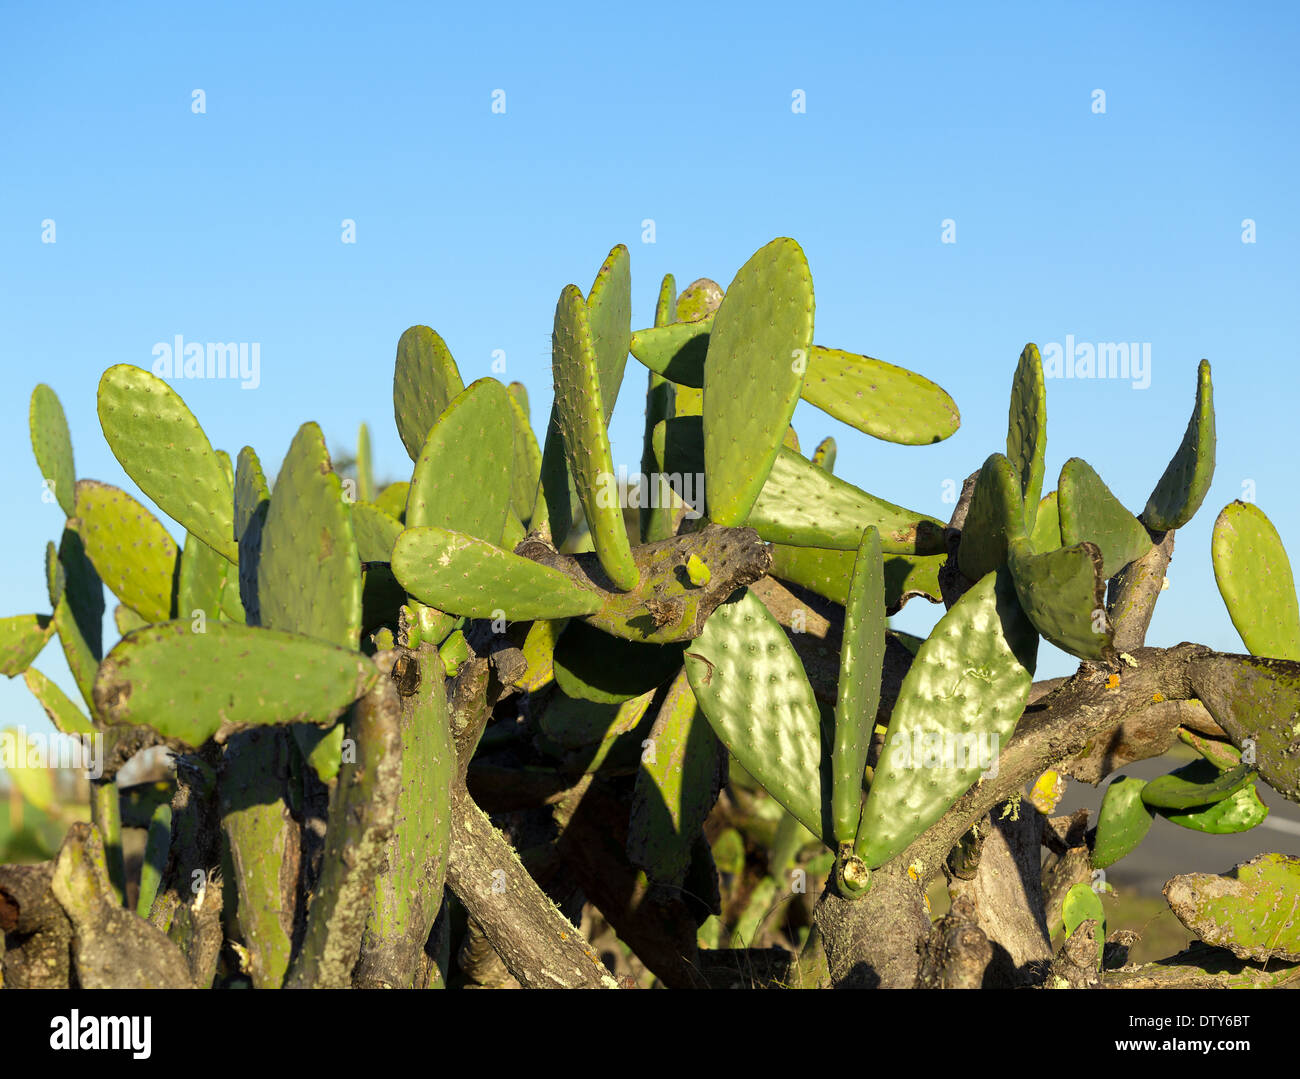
(226, 225)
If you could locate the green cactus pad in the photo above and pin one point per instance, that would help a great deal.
(200, 581)
(63, 713)
(750, 685)
(79, 614)
(158, 841)
(52, 446)
(609, 316)
(824, 455)
(862, 655)
(698, 300)
(1238, 812)
(1064, 594)
(1082, 904)
(1088, 511)
(805, 506)
(463, 575)
(676, 787)
(580, 415)
(995, 518)
(1122, 822)
(758, 352)
(1251, 911)
(162, 676)
(365, 469)
(539, 652)
(425, 380)
(130, 549)
(1046, 535)
(55, 576)
(1027, 429)
(158, 441)
(656, 511)
(21, 639)
(262, 838)
(376, 532)
(828, 573)
(594, 666)
(1254, 578)
(675, 351)
(392, 499)
(309, 573)
(1223, 755)
(1197, 784)
(462, 479)
(1186, 480)
(453, 652)
(127, 619)
(884, 401)
(959, 702)
(527, 470)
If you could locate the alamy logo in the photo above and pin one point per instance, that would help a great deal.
(215, 359)
(943, 749)
(77, 1031)
(630, 491)
(79, 753)
(1105, 359)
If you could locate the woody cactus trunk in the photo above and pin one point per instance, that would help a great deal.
(472, 705)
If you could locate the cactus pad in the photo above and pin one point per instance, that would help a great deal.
(130, 549)
(995, 518)
(462, 479)
(463, 575)
(1251, 911)
(1186, 480)
(580, 415)
(425, 380)
(52, 446)
(1064, 594)
(1122, 822)
(1254, 578)
(750, 685)
(308, 574)
(162, 676)
(758, 352)
(805, 506)
(862, 655)
(958, 706)
(1027, 429)
(1088, 511)
(884, 401)
(158, 441)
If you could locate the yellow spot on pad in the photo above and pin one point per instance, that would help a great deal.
(1112, 682)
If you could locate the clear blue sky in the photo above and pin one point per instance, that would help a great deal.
(226, 226)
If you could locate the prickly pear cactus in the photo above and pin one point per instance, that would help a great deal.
(412, 730)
